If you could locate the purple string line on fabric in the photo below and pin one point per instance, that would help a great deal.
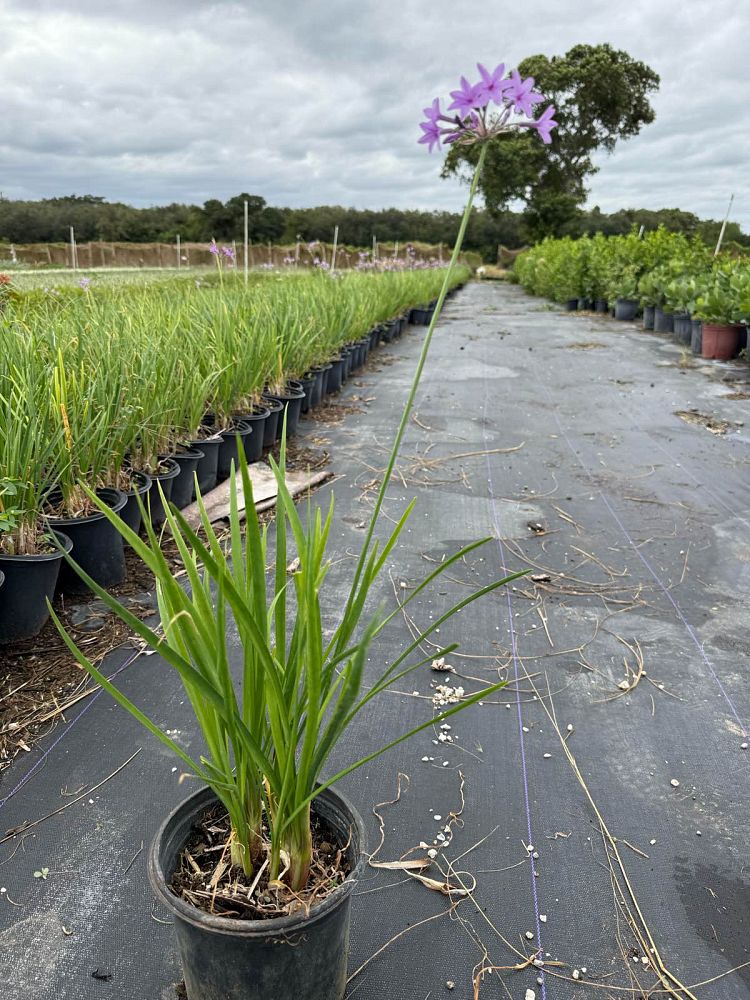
(678, 610)
(517, 678)
(65, 732)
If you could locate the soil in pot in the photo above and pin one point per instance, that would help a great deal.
(253, 443)
(298, 956)
(228, 449)
(626, 309)
(97, 545)
(140, 484)
(29, 582)
(183, 483)
(168, 471)
(721, 341)
(648, 317)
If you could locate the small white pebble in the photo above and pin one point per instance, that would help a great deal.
(743, 746)
(432, 853)
(543, 917)
(3, 889)
(437, 817)
(425, 758)
(530, 994)
(576, 974)
(698, 833)
(91, 802)
(547, 756)
(415, 692)
(674, 783)
(569, 727)
(652, 842)
(535, 856)
(507, 706)
(584, 969)
(450, 985)
(445, 763)
(525, 729)
(173, 770)
(530, 935)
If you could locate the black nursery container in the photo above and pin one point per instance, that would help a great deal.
(696, 336)
(273, 421)
(140, 484)
(207, 468)
(183, 482)
(663, 321)
(291, 400)
(600, 306)
(648, 317)
(29, 582)
(299, 957)
(228, 452)
(253, 443)
(336, 375)
(155, 506)
(626, 309)
(97, 546)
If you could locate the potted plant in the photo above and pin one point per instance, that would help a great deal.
(718, 308)
(267, 744)
(30, 556)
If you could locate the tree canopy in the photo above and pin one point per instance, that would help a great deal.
(601, 95)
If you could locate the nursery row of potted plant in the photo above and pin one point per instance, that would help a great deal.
(136, 393)
(676, 282)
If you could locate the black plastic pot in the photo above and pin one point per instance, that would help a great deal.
(228, 452)
(663, 321)
(184, 481)
(571, 305)
(29, 582)
(421, 316)
(308, 386)
(254, 442)
(318, 389)
(600, 306)
(170, 471)
(207, 467)
(291, 400)
(648, 317)
(97, 545)
(335, 375)
(626, 309)
(270, 428)
(300, 957)
(683, 328)
(140, 484)
(696, 336)
(584, 305)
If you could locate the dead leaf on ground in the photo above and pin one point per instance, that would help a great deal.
(585, 345)
(713, 424)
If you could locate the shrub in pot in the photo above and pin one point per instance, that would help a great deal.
(718, 308)
(267, 746)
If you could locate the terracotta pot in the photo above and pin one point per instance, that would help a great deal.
(721, 341)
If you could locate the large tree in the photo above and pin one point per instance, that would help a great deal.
(600, 95)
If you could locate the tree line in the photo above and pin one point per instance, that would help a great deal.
(94, 219)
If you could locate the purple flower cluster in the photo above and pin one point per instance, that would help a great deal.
(85, 283)
(224, 251)
(475, 120)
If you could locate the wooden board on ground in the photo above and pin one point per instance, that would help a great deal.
(264, 491)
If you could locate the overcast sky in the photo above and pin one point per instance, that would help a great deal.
(317, 101)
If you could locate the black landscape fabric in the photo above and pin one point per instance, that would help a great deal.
(555, 435)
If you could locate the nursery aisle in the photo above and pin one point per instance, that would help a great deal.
(612, 847)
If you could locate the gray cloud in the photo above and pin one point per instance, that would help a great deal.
(309, 102)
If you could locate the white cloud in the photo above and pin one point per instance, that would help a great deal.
(310, 102)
